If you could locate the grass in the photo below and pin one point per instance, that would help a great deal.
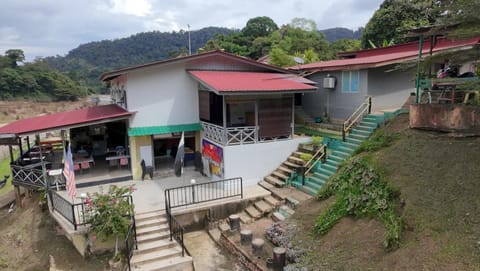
(311, 132)
(5, 170)
(361, 191)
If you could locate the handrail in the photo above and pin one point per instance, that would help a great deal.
(197, 193)
(366, 106)
(315, 159)
(131, 242)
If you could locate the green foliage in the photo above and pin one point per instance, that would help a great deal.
(380, 139)
(395, 17)
(317, 140)
(306, 157)
(111, 211)
(463, 14)
(35, 81)
(345, 45)
(360, 191)
(280, 58)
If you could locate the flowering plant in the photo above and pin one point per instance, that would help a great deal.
(110, 213)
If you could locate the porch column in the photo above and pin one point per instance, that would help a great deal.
(224, 113)
(136, 142)
(292, 123)
(10, 149)
(257, 127)
(20, 146)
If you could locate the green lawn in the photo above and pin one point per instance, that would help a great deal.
(5, 170)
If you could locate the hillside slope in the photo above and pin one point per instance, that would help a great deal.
(437, 177)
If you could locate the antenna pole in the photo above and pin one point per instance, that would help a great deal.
(189, 44)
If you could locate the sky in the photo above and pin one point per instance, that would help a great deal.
(54, 27)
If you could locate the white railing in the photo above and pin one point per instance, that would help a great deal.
(363, 109)
(231, 135)
(241, 135)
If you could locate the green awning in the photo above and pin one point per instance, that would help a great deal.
(156, 130)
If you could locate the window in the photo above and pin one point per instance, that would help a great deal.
(350, 81)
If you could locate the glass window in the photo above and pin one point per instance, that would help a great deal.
(350, 81)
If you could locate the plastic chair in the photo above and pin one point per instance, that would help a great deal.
(124, 162)
(84, 165)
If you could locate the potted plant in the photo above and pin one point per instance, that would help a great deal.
(110, 216)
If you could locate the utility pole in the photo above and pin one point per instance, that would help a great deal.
(189, 44)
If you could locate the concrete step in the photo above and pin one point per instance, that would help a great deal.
(151, 222)
(280, 175)
(286, 211)
(148, 215)
(266, 185)
(333, 157)
(152, 229)
(277, 217)
(155, 255)
(253, 212)
(274, 181)
(155, 236)
(286, 170)
(245, 218)
(272, 201)
(296, 160)
(365, 127)
(327, 171)
(315, 184)
(329, 167)
(299, 153)
(350, 145)
(290, 164)
(146, 247)
(334, 162)
(356, 131)
(345, 149)
(291, 201)
(263, 207)
(358, 137)
(309, 190)
(171, 264)
(322, 176)
(354, 141)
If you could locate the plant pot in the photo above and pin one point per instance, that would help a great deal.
(115, 265)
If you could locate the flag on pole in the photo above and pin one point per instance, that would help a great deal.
(178, 165)
(69, 174)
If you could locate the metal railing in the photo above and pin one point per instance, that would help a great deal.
(203, 192)
(25, 176)
(75, 213)
(319, 155)
(363, 109)
(230, 135)
(131, 242)
(197, 193)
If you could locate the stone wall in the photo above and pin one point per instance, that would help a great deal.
(456, 118)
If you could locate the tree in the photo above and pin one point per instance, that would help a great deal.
(463, 14)
(110, 213)
(15, 55)
(345, 45)
(394, 17)
(259, 27)
(280, 58)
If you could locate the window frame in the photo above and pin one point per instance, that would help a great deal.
(350, 84)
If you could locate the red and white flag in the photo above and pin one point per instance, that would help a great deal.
(69, 174)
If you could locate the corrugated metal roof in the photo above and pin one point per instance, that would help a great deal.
(156, 130)
(251, 82)
(63, 120)
(384, 56)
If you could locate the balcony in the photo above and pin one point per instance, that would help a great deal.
(230, 135)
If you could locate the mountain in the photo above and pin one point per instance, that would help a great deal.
(338, 33)
(88, 61)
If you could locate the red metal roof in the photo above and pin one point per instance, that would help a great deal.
(385, 56)
(232, 82)
(112, 74)
(65, 119)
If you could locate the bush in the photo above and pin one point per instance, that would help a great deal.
(360, 191)
(380, 139)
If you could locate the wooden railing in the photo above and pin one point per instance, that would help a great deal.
(320, 155)
(363, 109)
(230, 135)
(30, 177)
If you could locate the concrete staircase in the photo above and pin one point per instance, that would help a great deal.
(340, 153)
(282, 173)
(155, 250)
(302, 117)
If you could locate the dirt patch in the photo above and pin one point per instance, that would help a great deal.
(28, 236)
(438, 177)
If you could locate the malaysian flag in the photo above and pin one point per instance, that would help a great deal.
(69, 174)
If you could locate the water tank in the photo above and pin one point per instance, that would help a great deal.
(329, 82)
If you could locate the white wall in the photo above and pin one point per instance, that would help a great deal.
(252, 162)
(162, 96)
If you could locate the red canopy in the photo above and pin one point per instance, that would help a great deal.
(251, 82)
(63, 120)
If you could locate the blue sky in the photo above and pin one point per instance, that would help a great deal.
(52, 27)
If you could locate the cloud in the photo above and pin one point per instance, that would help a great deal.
(51, 27)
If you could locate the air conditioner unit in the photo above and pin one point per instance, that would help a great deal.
(329, 82)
